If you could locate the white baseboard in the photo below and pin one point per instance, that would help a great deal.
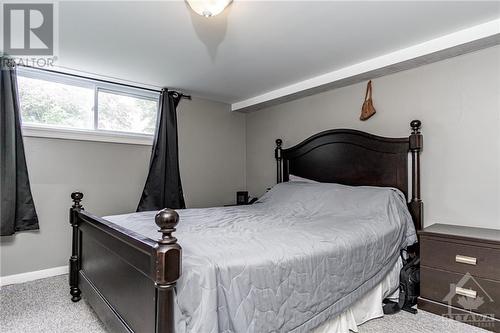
(31, 276)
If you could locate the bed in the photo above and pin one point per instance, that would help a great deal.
(303, 255)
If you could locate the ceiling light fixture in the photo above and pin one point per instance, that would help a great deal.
(208, 8)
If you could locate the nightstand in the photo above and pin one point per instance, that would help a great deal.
(460, 274)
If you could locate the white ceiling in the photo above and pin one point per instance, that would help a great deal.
(253, 47)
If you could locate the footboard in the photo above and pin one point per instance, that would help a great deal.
(128, 279)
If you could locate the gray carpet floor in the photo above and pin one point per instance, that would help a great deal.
(44, 306)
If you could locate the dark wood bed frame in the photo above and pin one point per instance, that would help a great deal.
(129, 280)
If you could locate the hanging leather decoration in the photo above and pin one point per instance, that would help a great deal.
(368, 110)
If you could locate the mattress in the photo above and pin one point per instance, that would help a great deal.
(303, 254)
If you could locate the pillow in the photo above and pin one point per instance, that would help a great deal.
(325, 197)
(293, 178)
(363, 205)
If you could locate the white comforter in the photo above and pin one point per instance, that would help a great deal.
(298, 257)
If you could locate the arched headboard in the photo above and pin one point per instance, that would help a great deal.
(356, 158)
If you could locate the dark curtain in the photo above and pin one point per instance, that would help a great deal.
(17, 211)
(163, 187)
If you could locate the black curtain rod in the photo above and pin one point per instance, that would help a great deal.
(101, 80)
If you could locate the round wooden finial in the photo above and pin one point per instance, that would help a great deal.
(167, 218)
(77, 198)
(279, 142)
(415, 125)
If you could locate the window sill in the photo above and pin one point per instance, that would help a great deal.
(86, 135)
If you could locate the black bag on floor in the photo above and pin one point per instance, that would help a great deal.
(409, 286)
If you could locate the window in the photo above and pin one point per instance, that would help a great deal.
(55, 104)
(120, 112)
(70, 107)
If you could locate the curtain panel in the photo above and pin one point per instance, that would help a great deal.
(17, 211)
(163, 188)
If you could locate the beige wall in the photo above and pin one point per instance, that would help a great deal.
(212, 153)
(212, 160)
(458, 101)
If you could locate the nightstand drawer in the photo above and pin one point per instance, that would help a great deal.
(479, 261)
(462, 291)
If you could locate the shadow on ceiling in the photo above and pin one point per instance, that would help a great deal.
(211, 31)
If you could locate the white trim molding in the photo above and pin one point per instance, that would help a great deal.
(86, 135)
(460, 42)
(31, 276)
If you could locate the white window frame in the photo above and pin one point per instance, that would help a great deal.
(95, 134)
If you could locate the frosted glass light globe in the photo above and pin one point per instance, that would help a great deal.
(208, 8)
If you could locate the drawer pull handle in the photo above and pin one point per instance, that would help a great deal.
(465, 260)
(466, 292)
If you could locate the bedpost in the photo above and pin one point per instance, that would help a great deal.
(279, 161)
(168, 269)
(74, 261)
(416, 145)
